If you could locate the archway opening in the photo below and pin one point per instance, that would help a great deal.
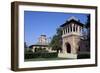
(68, 48)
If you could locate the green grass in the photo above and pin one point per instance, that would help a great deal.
(45, 59)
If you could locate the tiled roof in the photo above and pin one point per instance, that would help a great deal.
(72, 21)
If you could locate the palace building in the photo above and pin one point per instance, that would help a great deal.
(73, 42)
(43, 43)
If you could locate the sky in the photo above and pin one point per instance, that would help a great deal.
(38, 23)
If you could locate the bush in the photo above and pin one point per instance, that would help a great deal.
(40, 49)
(83, 56)
(49, 55)
(40, 55)
(32, 55)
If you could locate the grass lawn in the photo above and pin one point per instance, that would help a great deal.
(46, 59)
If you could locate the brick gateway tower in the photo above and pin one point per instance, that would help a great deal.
(72, 32)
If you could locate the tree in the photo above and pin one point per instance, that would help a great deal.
(88, 21)
(86, 35)
(56, 41)
(88, 27)
(26, 48)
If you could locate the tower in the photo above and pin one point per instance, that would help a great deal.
(43, 39)
(72, 32)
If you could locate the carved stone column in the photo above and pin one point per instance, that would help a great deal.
(63, 31)
(72, 27)
(75, 28)
(78, 29)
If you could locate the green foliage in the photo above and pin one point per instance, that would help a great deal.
(83, 56)
(56, 41)
(87, 26)
(32, 55)
(26, 48)
(40, 50)
(28, 51)
(25, 45)
(40, 55)
(86, 29)
(49, 55)
(88, 21)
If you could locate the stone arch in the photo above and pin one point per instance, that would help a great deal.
(68, 47)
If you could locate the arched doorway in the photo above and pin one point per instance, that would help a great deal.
(68, 48)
